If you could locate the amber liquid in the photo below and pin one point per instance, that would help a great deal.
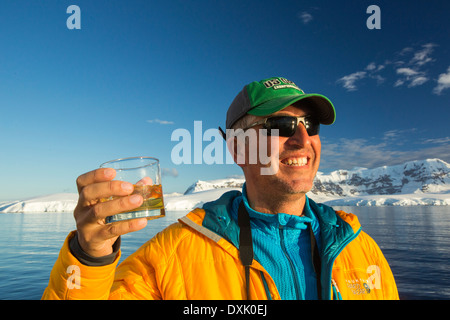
(151, 208)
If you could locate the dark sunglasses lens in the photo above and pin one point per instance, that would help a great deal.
(286, 126)
(312, 126)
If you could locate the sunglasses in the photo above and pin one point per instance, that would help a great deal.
(286, 125)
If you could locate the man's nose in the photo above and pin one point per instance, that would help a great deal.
(300, 137)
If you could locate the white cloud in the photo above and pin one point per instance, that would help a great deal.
(165, 172)
(398, 83)
(349, 153)
(411, 76)
(373, 67)
(417, 81)
(160, 121)
(371, 71)
(348, 82)
(377, 77)
(438, 140)
(406, 51)
(419, 57)
(412, 72)
(306, 17)
(423, 56)
(443, 82)
(408, 72)
(394, 147)
(396, 134)
(409, 65)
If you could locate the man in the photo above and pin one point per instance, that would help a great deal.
(269, 242)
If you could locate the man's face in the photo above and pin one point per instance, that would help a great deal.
(298, 159)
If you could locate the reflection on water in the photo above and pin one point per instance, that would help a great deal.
(30, 244)
(415, 241)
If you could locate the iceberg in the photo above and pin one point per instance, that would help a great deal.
(59, 202)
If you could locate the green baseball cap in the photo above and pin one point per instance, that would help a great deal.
(262, 98)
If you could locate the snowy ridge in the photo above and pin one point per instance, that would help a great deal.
(59, 202)
(215, 184)
(424, 182)
(413, 177)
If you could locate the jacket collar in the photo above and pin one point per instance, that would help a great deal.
(218, 217)
(336, 228)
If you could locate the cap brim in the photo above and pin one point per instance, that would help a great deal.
(320, 104)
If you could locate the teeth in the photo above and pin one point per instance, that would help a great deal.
(296, 161)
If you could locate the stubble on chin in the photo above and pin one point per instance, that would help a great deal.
(283, 186)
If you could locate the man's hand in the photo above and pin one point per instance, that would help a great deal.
(96, 237)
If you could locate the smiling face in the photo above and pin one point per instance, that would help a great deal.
(298, 160)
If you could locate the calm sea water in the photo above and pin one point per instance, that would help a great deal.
(415, 241)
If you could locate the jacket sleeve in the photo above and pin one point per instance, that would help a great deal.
(70, 279)
(133, 279)
(143, 275)
(380, 276)
(389, 287)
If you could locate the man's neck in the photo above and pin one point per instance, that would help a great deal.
(273, 204)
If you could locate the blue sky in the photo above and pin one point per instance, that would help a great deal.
(138, 70)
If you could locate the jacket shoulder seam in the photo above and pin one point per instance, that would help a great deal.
(204, 231)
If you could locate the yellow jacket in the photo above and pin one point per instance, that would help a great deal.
(192, 259)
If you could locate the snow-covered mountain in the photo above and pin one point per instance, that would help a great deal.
(425, 182)
(200, 185)
(426, 176)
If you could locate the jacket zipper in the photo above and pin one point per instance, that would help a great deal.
(336, 290)
(283, 247)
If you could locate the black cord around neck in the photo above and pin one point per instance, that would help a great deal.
(245, 244)
(246, 249)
